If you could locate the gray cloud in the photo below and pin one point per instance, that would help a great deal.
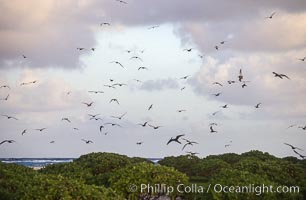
(160, 84)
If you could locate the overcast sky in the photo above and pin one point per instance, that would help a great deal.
(49, 32)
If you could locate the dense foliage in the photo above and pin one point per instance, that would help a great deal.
(112, 176)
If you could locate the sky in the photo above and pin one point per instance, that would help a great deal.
(47, 33)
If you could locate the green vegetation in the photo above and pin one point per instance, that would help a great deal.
(112, 176)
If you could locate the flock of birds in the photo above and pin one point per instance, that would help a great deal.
(179, 139)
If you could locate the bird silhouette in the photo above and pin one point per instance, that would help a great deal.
(280, 75)
(87, 141)
(118, 63)
(110, 86)
(153, 27)
(190, 153)
(104, 24)
(217, 47)
(214, 113)
(293, 125)
(144, 124)
(213, 124)
(142, 68)
(231, 82)
(5, 86)
(299, 154)
(8, 141)
(183, 88)
(302, 59)
(66, 119)
(52, 142)
(81, 48)
(176, 139)
(223, 42)
(24, 56)
(88, 104)
(182, 110)
(270, 16)
(114, 100)
(217, 94)
(155, 127)
(188, 142)
(257, 105)
(139, 143)
(101, 127)
(10, 117)
(113, 124)
(96, 92)
(120, 117)
(240, 77)
(6, 98)
(120, 1)
(137, 80)
(188, 50)
(40, 129)
(225, 106)
(184, 77)
(293, 147)
(217, 83)
(93, 116)
(212, 130)
(24, 131)
(302, 127)
(150, 107)
(120, 84)
(137, 58)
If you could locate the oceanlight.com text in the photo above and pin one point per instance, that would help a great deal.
(217, 188)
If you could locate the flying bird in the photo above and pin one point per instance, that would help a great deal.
(270, 16)
(217, 47)
(81, 48)
(182, 110)
(225, 106)
(142, 68)
(217, 83)
(5, 86)
(66, 119)
(188, 142)
(136, 57)
(150, 107)
(223, 42)
(104, 23)
(118, 63)
(155, 127)
(153, 27)
(191, 153)
(240, 77)
(114, 100)
(291, 126)
(302, 127)
(144, 124)
(120, 1)
(214, 113)
(280, 75)
(6, 98)
(139, 143)
(40, 129)
(87, 141)
(188, 50)
(231, 82)
(8, 141)
(96, 92)
(24, 131)
(217, 94)
(93, 116)
(302, 59)
(120, 117)
(24, 56)
(101, 127)
(52, 142)
(293, 147)
(213, 124)
(212, 130)
(120, 84)
(183, 88)
(176, 139)
(10, 117)
(112, 124)
(257, 105)
(88, 104)
(110, 86)
(299, 154)
(184, 77)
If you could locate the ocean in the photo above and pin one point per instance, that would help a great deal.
(42, 162)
